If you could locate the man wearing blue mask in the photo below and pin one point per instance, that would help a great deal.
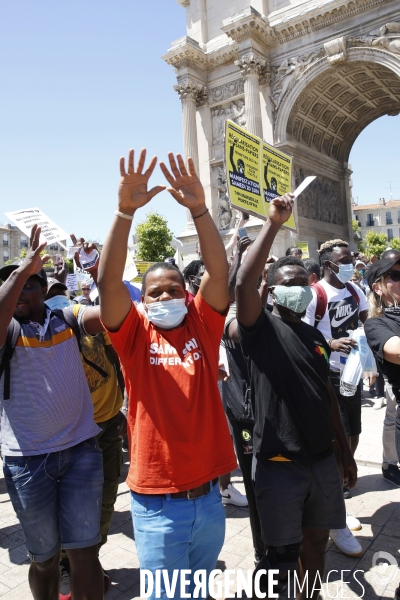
(298, 487)
(179, 440)
(336, 308)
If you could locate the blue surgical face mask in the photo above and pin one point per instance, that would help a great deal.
(57, 302)
(295, 297)
(167, 314)
(345, 273)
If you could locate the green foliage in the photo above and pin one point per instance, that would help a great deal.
(154, 238)
(356, 225)
(375, 243)
(70, 264)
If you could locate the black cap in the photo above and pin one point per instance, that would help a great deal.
(51, 282)
(6, 271)
(380, 268)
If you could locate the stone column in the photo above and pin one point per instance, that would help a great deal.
(251, 68)
(190, 94)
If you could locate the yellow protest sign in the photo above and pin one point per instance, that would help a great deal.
(141, 266)
(276, 177)
(243, 153)
(256, 172)
(304, 249)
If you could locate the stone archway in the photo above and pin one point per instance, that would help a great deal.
(318, 121)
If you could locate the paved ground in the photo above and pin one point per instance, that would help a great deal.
(375, 502)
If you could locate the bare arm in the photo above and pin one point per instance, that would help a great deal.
(233, 271)
(91, 320)
(188, 191)
(231, 245)
(247, 296)
(115, 301)
(12, 287)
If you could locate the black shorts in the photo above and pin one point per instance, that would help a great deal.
(350, 406)
(291, 496)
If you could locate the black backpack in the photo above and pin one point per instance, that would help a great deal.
(13, 333)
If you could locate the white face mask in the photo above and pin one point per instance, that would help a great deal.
(167, 314)
(345, 273)
(57, 302)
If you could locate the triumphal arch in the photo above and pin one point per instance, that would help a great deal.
(306, 76)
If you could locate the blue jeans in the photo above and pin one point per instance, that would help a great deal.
(177, 533)
(57, 498)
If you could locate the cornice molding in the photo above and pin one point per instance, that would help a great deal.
(184, 3)
(187, 53)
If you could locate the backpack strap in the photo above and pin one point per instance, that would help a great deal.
(322, 302)
(72, 322)
(353, 292)
(13, 333)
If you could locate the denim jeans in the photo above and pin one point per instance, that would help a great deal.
(57, 498)
(177, 533)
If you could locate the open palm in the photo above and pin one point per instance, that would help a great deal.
(133, 193)
(185, 186)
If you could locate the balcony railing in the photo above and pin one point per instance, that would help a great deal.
(370, 223)
(389, 221)
(5, 242)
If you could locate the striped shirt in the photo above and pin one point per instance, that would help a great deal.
(50, 407)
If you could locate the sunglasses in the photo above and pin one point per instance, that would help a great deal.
(394, 275)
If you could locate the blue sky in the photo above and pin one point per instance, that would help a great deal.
(82, 82)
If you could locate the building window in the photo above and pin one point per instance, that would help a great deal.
(389, 218)
(390, 234)
(5, 256)
(24, 242)
(5, 239)
(398, 216)
(53, 246)
(370, 220)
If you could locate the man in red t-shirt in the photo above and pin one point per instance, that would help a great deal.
(179, 439)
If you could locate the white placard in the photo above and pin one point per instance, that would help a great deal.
(25, 219)
(94, 292)
(130, 271)
(72, 283)
(88, 260)
(303, 185)
(71, 251)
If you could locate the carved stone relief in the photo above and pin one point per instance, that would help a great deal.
(387, 37)
(226, 216)
(284, 76)
(226, 91)
(321, 200)
(236, 111)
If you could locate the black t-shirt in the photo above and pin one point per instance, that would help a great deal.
(378, 331)
(288, 366)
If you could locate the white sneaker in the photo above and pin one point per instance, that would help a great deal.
(345, 541)
(232, 496)
(352, 523)
(379, 403)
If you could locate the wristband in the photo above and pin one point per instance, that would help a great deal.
(202, 214)
(123, 215)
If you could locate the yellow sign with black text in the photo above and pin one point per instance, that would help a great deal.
(256, 172)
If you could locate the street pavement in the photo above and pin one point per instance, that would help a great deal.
(374, 502)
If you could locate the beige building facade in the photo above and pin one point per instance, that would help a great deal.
(13, 241)
(305, 76)
(382, 217)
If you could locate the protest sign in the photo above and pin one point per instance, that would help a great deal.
(72, 283)
(26, 218)
(303, 185)
(88, 260)
(304, 249)
(142, 267)
(276, 177)
(130, 271)
(243, 160)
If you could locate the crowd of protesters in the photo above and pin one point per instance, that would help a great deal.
(232, 361)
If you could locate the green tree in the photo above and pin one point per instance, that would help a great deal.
(154, 238)
(375, 243)
(356, 225)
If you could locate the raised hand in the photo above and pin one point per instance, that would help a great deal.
(132, 192)
(87, 247)
(33, 262)
(185, 186)
(280, 209)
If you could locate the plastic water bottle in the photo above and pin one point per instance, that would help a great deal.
(352, 368)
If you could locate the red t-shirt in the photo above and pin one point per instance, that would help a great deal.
(177, 428)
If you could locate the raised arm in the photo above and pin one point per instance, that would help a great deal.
(11, 289)
(115, 301)
(188, 191)
(243, 243)
(248, 299)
